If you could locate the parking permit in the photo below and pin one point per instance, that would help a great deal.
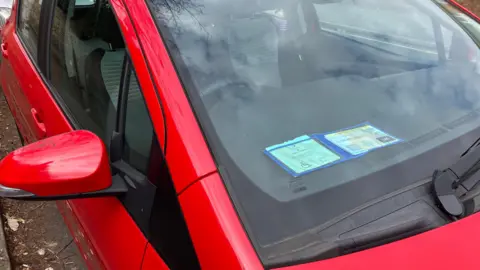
(361, 139)
(302, 155)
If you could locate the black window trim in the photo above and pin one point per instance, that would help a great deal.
(140, 210)
(43, 68)
(44, 48)
(34, 61)
(180, 253)
(219, 154)
(44, 38)
(187, 258)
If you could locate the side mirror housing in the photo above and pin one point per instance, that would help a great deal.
(69, 165)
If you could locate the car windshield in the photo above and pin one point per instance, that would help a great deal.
(313, 108)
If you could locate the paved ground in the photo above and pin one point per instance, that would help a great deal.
(36, 235)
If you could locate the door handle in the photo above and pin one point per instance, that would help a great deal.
(40, 126)
(3, 47)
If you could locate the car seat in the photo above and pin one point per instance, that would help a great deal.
(253, 48)
(81, 40)
(103, 71)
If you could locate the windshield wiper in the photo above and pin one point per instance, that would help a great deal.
(456, 181)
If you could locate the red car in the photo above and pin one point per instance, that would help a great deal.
(250, 134)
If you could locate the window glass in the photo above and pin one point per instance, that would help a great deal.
(87, 60)
(297, 95)
(138, 129)
(28, 24)
(409, 32)
(168, 232)
(469, 23)
(87, 55)
(447, 36)
(6, 3)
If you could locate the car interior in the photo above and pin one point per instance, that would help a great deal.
(258, 50)
(271, 74)
(94, 53)
(279, 65)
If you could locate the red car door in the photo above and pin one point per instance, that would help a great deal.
(48, 75)
(21, 83)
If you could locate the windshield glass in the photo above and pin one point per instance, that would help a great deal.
(314, 107)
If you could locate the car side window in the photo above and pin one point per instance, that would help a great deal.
(138, 129)
(93, 76)
(153, 203)
(86, 55)
(29, 24)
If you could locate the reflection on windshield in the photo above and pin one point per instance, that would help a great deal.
(272, 71)
(6, 3)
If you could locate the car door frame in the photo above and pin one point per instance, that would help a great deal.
(138, 63)
(103, 250)
(209, 213)
(17, 62)
(157, 113)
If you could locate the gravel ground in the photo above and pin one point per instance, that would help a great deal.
(36, 236)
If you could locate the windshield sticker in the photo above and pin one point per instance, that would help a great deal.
(361, 139)
(302, 155)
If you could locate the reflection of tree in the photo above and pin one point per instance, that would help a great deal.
(169, 11)
(31, 12)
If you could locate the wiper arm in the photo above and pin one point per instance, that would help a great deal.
(460, 178)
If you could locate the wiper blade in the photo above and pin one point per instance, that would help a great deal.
(458, 179)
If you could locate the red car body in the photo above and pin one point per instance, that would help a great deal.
(104, 231)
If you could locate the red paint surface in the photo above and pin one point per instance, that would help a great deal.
(85, 247)
(454, 246)
(103, 229)
(141, 69)
(114, 238)
(25, 90)
(105, 232)
(464, 9)
(152, 261)
(187, 153)
(218, 236)
(69, 163)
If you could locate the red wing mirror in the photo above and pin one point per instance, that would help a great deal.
(69, 165)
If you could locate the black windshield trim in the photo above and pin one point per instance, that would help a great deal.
(206, 126)
(231, 173)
